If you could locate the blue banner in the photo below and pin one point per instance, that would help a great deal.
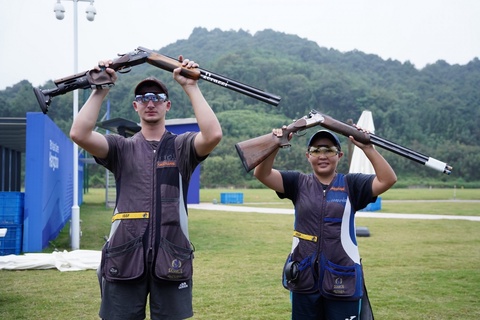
(48, 182)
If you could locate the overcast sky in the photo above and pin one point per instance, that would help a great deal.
(37, 47)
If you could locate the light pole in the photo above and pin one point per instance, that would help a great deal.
(60, 14)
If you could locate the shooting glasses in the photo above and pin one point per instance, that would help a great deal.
(154, 97)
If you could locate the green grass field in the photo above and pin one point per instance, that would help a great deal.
(415, 269)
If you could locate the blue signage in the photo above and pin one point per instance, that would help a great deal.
(48, 182)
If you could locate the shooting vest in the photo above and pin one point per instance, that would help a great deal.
(150, 222)
(324, 256)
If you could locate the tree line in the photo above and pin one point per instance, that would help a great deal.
(434, 110)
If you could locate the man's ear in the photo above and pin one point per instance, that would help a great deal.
(340, 154)
(169, 105)
(134, 105)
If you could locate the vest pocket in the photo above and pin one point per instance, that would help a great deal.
(173, 262)
(300, 276)
(123, 262)
(341, 281)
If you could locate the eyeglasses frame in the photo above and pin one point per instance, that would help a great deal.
(154, 97)
(323, 151)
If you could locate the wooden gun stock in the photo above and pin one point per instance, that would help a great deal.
(252, 152)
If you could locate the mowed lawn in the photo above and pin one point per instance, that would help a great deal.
(415, 269)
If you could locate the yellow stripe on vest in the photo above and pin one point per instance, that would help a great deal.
(130, 215)
(304, 236)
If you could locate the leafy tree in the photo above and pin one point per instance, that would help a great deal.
(434, 111)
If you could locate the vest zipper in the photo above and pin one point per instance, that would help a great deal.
(322, 222)
(320, 234)
(153, 212)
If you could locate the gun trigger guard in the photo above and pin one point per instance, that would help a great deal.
(284, 143)
(301, 133)
(124, 70)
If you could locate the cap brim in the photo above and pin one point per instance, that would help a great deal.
(325, 134)
(150, 85)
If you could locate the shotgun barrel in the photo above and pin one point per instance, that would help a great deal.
(253, 151)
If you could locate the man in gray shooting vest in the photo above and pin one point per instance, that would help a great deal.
(148, 252)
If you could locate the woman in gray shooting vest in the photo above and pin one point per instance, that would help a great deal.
(323, 270)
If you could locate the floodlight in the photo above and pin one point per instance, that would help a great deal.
(59, 10)
(91, 12)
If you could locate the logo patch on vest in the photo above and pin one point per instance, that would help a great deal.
(176, 267)
(113, 271)
(164, 164)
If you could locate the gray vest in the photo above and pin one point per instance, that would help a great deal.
(324, 256)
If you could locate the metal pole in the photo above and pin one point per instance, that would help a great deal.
(75, 228)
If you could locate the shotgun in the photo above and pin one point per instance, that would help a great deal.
(253, 151)
(99, 79)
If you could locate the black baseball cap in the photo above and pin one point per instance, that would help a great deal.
(325, 134)
(151, 85)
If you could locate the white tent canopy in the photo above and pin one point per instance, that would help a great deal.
(359, 162)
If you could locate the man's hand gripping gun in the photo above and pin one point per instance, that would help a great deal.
(253, 151)
(94, 79)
